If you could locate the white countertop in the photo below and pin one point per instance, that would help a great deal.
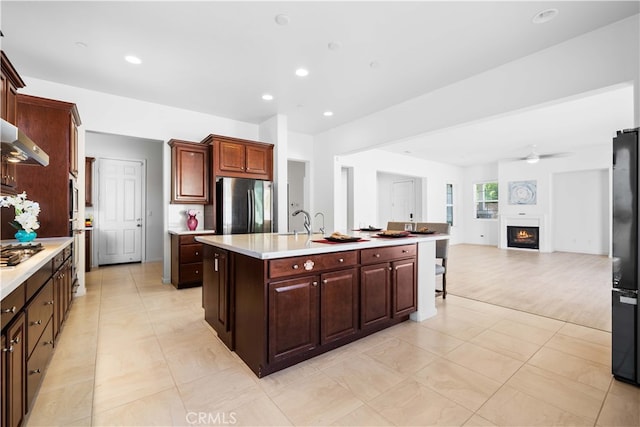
(273, 245)
(12, 277)
(186, 232)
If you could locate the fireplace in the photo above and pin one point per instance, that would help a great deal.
(523, 237)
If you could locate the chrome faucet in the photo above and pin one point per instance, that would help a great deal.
(321, 228)
(307, 219)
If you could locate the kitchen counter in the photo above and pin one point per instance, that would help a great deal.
(274, 245)
(183, 232)
(12, 277)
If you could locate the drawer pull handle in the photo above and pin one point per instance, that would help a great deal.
(295, 266)
(377, 255)
(47, 343)
(8, 350)
(49, 302)
(314, 283)
(197, 253)
(404, 251)
(16, 340)
(341, 260)
(197, 272)
(325, 281)
(9, 310)
(35, 371)
(37, 322)
(308, 265)
(390, 268)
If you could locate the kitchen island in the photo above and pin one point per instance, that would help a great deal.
(277, 300)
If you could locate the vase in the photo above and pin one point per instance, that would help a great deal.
(192, 222)
(24, 236)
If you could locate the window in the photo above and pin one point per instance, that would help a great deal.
(486, 199)
(449, 204)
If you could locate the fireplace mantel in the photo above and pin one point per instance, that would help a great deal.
(526, 221)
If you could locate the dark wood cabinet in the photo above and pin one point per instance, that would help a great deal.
(189, 172)
(186, 261)
(88, 180)
(11, 82)
(216, 293)
(375, 295)
(88, 252)
(293, 317)
(52, 124)
(241, 158)
(403, 280)
(14, 367)
(339, 304)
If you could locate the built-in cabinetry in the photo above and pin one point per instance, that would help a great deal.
(53, 124)
(279, 312)
(32, 316)
(88, 180)
(216, 296)
(87, 251)
(186, 261)
(189, 172)
(11, 82)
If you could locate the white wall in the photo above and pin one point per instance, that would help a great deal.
(478, 231)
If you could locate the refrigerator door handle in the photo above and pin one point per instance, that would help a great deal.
(249, 211)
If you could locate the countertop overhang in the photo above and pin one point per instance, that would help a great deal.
(12, 277)
(274, 245)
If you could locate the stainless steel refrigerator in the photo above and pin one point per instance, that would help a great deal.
(625, 333)
(244, 206)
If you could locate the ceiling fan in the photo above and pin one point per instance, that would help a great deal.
(534, 156)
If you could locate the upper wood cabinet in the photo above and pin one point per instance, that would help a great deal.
(189, 172)
(11, 82)
(88, 180)
(241, 158)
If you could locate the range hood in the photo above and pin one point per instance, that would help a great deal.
(19, 148)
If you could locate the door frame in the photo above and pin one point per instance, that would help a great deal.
(143, 207)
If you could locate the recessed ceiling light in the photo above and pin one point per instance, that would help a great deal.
(544, 16)
(282, 19)
(334, 45)
(302, 72)
(133, 59)
(267, 97)
(328, 113)
(374, 65)
(81, 44)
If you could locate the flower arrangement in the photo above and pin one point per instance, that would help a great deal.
(26, 212)
(192, 212)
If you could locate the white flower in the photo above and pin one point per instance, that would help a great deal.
(26, 211)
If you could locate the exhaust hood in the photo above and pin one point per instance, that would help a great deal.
(19, 148)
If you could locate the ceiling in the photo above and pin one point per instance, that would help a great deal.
(221, 57)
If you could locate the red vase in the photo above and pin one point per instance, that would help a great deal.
(192, 222)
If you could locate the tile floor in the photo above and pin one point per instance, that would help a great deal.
(135, 352)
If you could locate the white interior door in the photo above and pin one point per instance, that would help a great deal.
(403, 200)
(120, 211)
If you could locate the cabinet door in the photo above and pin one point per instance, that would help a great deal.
(73, 149)
(216, 292)
(404, 287)
(293, 317)
(338, 304)
(16, 371)
(258, 159)
(88, 181)
(190, 169)
(232, 156)
(375, 295)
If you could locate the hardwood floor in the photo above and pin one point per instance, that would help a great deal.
(571, 287)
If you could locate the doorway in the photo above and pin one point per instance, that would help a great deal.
(120, 236)
(400, 198)
(297, 193)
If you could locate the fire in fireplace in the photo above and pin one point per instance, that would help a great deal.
(523, 237)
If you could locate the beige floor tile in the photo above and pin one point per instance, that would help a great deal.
(277, 382)
(413, 404)
(316, 400)
(595, 336)
(430, 340)
(129, 386)
(523, 331)
(579, 399)
(477, 421)
(621, 407)
(580, 348)
(479, 318)
(363, 416)
(64, 373)
(459, 328)
(259, 412)
(582, 370)
(62, 405)
(137, 356)
(160, 409)
(506, 345)
(458, 383)
(192, 362)
(401, 356)
(536, 321)
(222, 391)
(484, 361)
(510, 407)
(365, 377)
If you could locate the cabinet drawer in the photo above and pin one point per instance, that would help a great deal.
(191, 273)
(39, 278)
(190, 253)
(37, 363)
(374, 255)
(39, 312)
(12, 304)
(312, 263)
(66, 252)
(58, 260)
(189, 239)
